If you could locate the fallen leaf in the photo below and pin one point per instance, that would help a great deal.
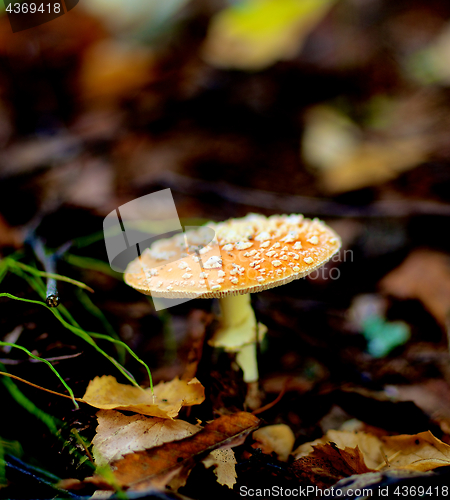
(346, 160)
(253, 34)
(418, 452)
(225, 463)
(275, 438)
(327, 464)
(106, 393)
(373, 163)
(424, 276)
(160, 465)
(367, 443)
(112, 70)
(427, 65)
(118, 434)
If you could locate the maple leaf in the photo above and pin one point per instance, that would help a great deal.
(327, 464)
(368, 444)
(106, 393)
(416, 452)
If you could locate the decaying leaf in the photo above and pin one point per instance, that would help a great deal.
(161, 465)
(345, 160)
(119, 434)
(418, 452)
(275, 438)
(225, 466)
(424, 276)
(327, 464)
(106, 393)
(254, 34)
(368, 444)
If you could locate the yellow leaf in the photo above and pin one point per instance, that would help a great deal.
(275, 438)
(253, 34)
(106, 393)
(345, 160)
(369, 445)
(225, 463)
(419, 452)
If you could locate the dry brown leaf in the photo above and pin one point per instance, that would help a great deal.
(106, 393)
(373, 163)
(368, 444)
(425, 276)
(275, 438)
(345, 160)
(118, 434)
(420, 452)
(225, 463)
(161, 465)
(327, 464)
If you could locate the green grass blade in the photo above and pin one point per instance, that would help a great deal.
(68, 389)
(86, 301)
(36, 272)
(91, 264)
(88, 337)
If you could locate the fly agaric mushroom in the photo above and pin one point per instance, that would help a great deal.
(248, 255)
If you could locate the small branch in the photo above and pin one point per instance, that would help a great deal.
(41, 388)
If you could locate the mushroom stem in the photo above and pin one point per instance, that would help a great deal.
(238, 332)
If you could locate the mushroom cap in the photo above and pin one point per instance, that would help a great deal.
(247, 255)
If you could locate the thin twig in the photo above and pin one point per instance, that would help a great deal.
(41, 388)
(291, 203)
(275, 401)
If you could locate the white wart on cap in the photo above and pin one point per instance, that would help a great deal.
(248, 255)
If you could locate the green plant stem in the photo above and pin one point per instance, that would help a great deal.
(97, 313)
(36, 272)
(69, 390)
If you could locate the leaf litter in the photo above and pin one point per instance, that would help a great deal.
(118, 434)
(170, 463)
(341, 454)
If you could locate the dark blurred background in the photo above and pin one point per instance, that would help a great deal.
(337, 109)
